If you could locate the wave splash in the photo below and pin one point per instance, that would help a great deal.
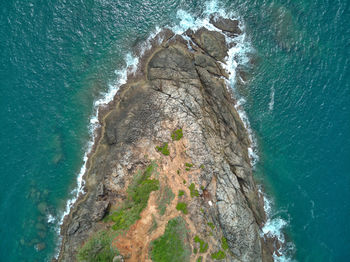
(238, 54)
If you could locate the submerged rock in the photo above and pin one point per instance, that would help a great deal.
(40, 246)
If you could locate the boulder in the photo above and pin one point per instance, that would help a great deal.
(226, 25)
(100, 210)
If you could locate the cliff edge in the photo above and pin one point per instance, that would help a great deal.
(170, 178)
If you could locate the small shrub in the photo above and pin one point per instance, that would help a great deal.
(187, 169)
(184, 181)
(182, 206)
(202, 210)
(188, 165)
(178, 171)
(218, 255)
(202, 187)
(211, 225)
(193, 191)
(181, 193)
(201, 166)
(224, 244)
(97, 249)
(200, 259)
(171, 246)
(203, 246)
(195, 250)
(163, 149)
(165, 199)
(177, 135)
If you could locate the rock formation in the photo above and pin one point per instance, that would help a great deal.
(172, 145)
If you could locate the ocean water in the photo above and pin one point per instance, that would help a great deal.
(60, 57)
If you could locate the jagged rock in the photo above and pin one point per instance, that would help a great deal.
(226, 25)
(73, 228)
(100, 190)
(212, 42)
(100, 210)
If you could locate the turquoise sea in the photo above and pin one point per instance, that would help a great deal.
(58, 57)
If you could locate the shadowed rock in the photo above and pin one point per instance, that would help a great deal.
(226, 25)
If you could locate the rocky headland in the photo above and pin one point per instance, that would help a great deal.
(170, 177)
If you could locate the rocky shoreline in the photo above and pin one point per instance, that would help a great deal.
(171, 156)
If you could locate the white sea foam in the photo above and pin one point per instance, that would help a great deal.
(51, 219)
(273, 228)
(272, 98)
(237, 55)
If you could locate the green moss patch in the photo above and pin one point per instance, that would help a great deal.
(193, 191)
(203, 246)
(218, 255)
(224, 244)
(200, 259)
(163, 149)
(172, 247)
(165, 199)
(182, 206)
(97, 249)
(138, 195)
(177, 135)
(188, 165)
(211, 225)
(181, 193)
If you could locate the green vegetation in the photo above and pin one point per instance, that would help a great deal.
(177, 135)
(184, 181)
(188, 165)
(224, 244)
(138, 195)
(202, 187)
(211, 225)
(193, 191)
(202, 210)
(163, 149)
(97, 249)
(218, 255)
(203, 246)
(201, 166)
(181, 193)
(178, 171)
(187, 169)
(200, 259)
(165, 199)
(195, 250)
(172, 247)
(182, 206)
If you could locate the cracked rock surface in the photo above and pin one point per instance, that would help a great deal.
(177, 88)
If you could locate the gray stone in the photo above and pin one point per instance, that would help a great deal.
(227, 25)
(100, 210)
